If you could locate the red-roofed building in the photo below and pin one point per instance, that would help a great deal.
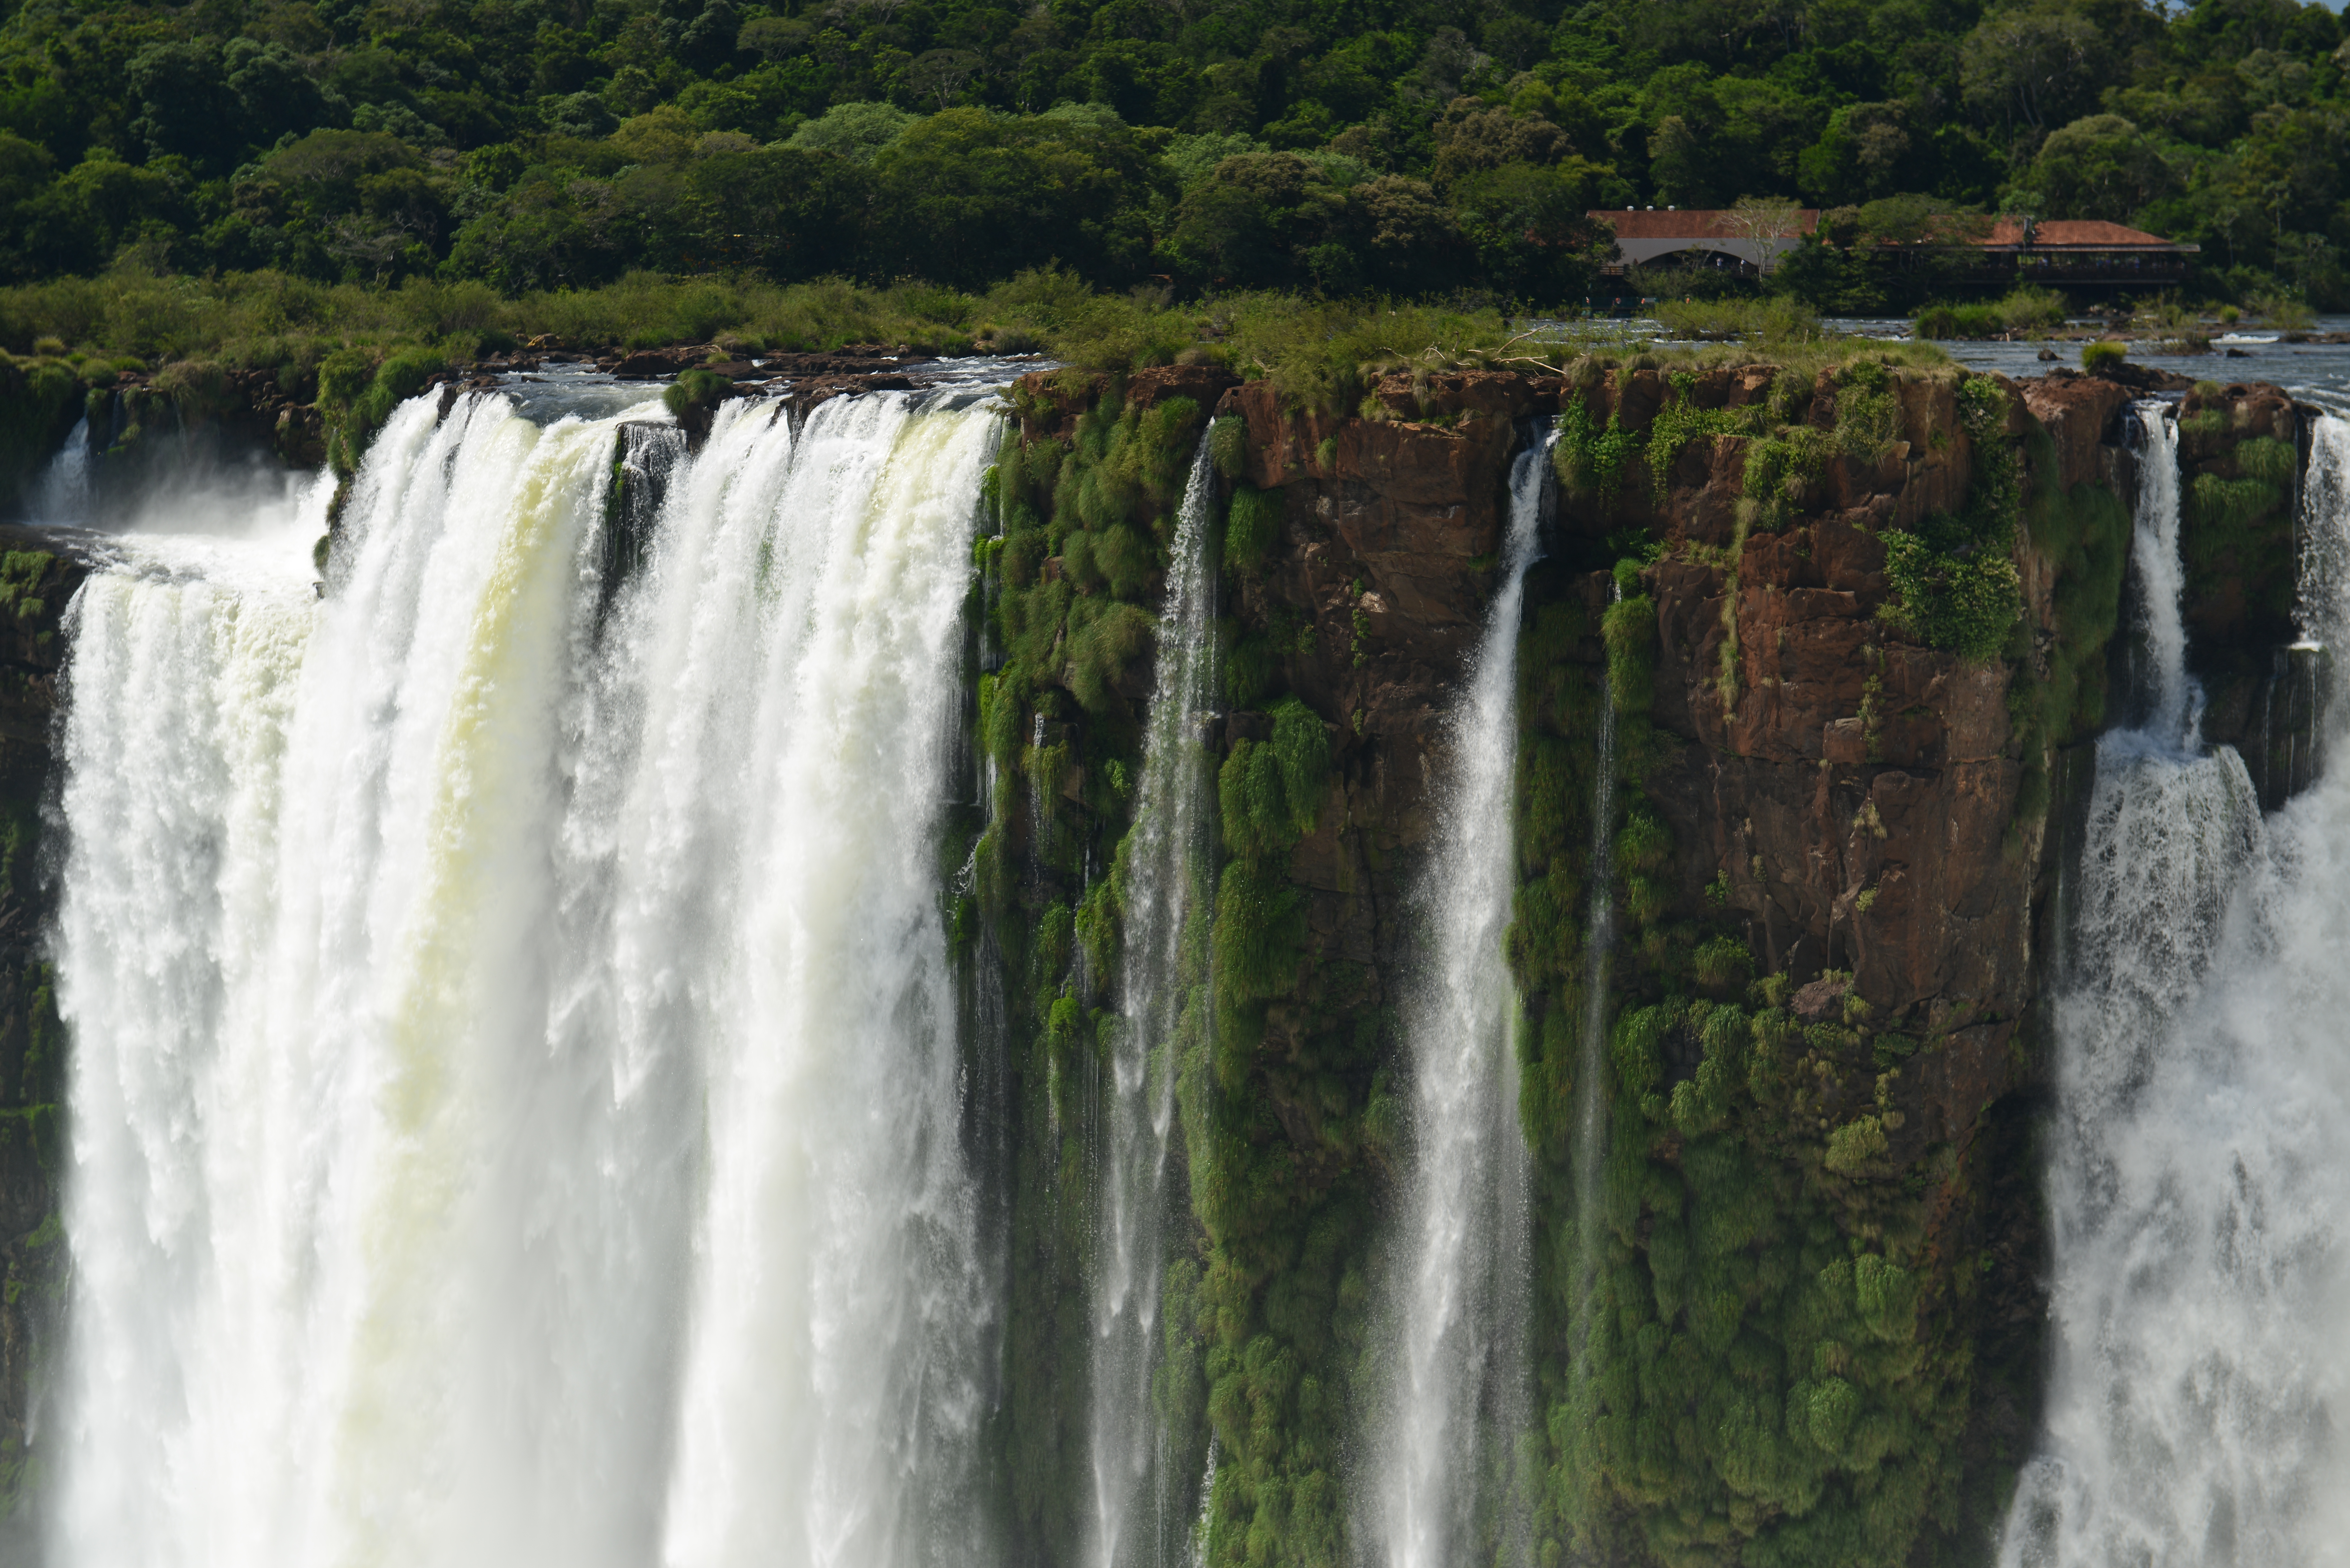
(2071, 234)
(2079, 253)
(2067, 252)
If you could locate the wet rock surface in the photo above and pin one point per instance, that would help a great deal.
(39, 574)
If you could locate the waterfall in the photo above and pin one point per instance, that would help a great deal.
(63, 494)
(2200, 1296)
(1165, 873)
(1460, 1297)
(516, 1099)
(2154, 551)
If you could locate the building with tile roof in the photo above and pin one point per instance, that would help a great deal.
(2065, 253)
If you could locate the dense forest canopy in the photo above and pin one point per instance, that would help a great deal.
(1405, 146)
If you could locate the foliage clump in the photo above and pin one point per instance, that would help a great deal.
(2102, 355)
(1681, 421)
(1954, 582)
(2027, 309)
(1591, 459)
(357, 393)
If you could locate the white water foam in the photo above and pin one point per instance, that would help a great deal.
(2154, 551)
(2198, 1176)
(515, 1089)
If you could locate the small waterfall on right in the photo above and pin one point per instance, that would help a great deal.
(2199, 1166)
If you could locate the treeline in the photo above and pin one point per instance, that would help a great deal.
(1391, 144)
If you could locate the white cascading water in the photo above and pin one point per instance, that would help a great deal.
(2198, 1182)
(2154, 552)
(1166, 874)
(1459, 1301)
(516, 1090)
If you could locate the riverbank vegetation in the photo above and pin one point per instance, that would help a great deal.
(1320, 349)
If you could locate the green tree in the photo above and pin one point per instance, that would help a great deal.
(1260, 218)
(2033, 67)
(964, 197)
(857, 132)
(2098, 167)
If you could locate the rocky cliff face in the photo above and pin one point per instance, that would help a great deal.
(1830, 869)
(1790, 1312)
(36, 585)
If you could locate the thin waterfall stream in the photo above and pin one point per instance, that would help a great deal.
(1460, 1291)
(2197, 1183)
(1166, 876)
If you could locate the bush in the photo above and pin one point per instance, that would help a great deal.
(694, 391)
(1946, 321)
(2282, 312)
(1965, 604)
(2103, 355)
(1590, 460)
(2025, 308)
(2028, 306)
(1250, 528)
(1772, 320)
(1854, 1146)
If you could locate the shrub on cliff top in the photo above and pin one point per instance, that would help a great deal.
(1681, 421)
(695, 390)
(1590, 460)
(359, 395)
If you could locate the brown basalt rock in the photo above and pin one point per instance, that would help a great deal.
(300, 436)
(1049, 401)
(1821, 1001)
(1443, 397)
(1939, 458)
(653, 364)
(1377, 586)
(1946, 1090)
(1203, 384)
(1855, 799)
(1855, 794)
(2242, 571)
(2078, 412)
(804, 396)
(1637, 397)
(1415, 504)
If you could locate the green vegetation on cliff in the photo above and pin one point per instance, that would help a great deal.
(1746, 1375)
(1083, 518)
(1765, 1338)
(1953, 578)
(1277, 1063)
